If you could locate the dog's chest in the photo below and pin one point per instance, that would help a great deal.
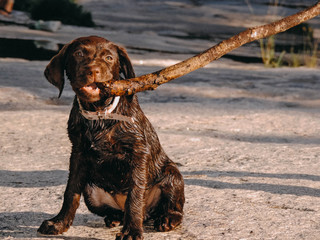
(108, 151)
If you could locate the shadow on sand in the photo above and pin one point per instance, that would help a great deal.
(253, 186)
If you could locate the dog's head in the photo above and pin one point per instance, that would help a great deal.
(88, 62)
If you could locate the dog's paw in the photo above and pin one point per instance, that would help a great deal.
(49, 227)
(168, 222)
(112, 223)
(123, 236)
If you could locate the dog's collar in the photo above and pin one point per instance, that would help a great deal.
(106, 113)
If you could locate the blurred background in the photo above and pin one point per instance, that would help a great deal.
(179, 27)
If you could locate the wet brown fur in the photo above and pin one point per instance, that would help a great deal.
(119, 167)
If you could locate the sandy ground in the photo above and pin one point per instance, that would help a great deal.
(247, 137)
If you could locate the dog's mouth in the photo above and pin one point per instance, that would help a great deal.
(91, 89)
(90, 93)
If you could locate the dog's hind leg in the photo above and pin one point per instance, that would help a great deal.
(169, 211)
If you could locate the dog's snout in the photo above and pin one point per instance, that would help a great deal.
(93, 71)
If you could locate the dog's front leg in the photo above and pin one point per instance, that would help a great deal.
(64, 219)
(135, 205)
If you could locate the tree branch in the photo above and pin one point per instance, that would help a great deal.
(153, 80)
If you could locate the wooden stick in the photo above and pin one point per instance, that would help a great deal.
(153, 80)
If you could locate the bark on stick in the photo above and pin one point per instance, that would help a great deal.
(153, 80)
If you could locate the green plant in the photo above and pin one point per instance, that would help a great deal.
(305, 58)
(311, 60)
(295, 59)
(304, 48)
(308, 54)
(268, 53)
(310, 47)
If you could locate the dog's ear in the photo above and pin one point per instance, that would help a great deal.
(54, 71)
(125, 64)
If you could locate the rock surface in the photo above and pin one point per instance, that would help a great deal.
(247, 137)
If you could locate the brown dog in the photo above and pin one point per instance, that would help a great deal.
(117, 162)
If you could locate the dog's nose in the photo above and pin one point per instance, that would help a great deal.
(93, 71)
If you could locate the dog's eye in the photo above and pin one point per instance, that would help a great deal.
(78, 53)
(109, 58)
